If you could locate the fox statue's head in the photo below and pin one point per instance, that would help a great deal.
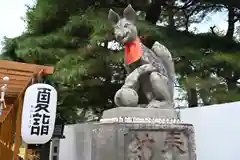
(125, 30)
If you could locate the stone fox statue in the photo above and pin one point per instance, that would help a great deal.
(151, 71)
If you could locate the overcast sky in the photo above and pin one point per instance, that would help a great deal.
(11, 12)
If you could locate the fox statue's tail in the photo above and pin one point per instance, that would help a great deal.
(163, 53)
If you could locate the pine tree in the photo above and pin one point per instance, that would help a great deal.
(73, 36)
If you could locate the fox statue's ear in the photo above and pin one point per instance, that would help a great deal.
(113, 17)
(129, 13)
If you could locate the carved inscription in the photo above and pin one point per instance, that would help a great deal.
(141, 147)
(172, 144)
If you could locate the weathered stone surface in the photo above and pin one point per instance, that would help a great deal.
(119, 141)
(140, 112)
(83, 141)
(152, 74)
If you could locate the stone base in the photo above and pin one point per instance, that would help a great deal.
(121, 141)
(140, 112)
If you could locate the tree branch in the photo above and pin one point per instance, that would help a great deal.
(212, 30)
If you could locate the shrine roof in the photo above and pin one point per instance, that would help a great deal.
(20, 76)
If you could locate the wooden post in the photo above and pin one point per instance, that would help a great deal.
(18, 138)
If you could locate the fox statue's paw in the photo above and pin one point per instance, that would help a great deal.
(159, 86)
(126, 97)
(160, 104)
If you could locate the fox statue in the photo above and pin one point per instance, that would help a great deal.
(150, 71)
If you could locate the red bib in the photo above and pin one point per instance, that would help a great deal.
(133, 51)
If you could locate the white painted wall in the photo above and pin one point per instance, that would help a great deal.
(217, 130)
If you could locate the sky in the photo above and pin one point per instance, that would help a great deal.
(11, 12)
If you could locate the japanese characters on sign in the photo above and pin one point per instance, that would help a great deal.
(39, 113)
(40, 124)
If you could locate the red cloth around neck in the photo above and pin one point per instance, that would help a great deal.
(133, 51)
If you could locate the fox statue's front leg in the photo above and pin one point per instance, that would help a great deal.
(162, 98)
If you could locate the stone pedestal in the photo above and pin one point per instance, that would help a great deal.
(118, 141)
(135, 141)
